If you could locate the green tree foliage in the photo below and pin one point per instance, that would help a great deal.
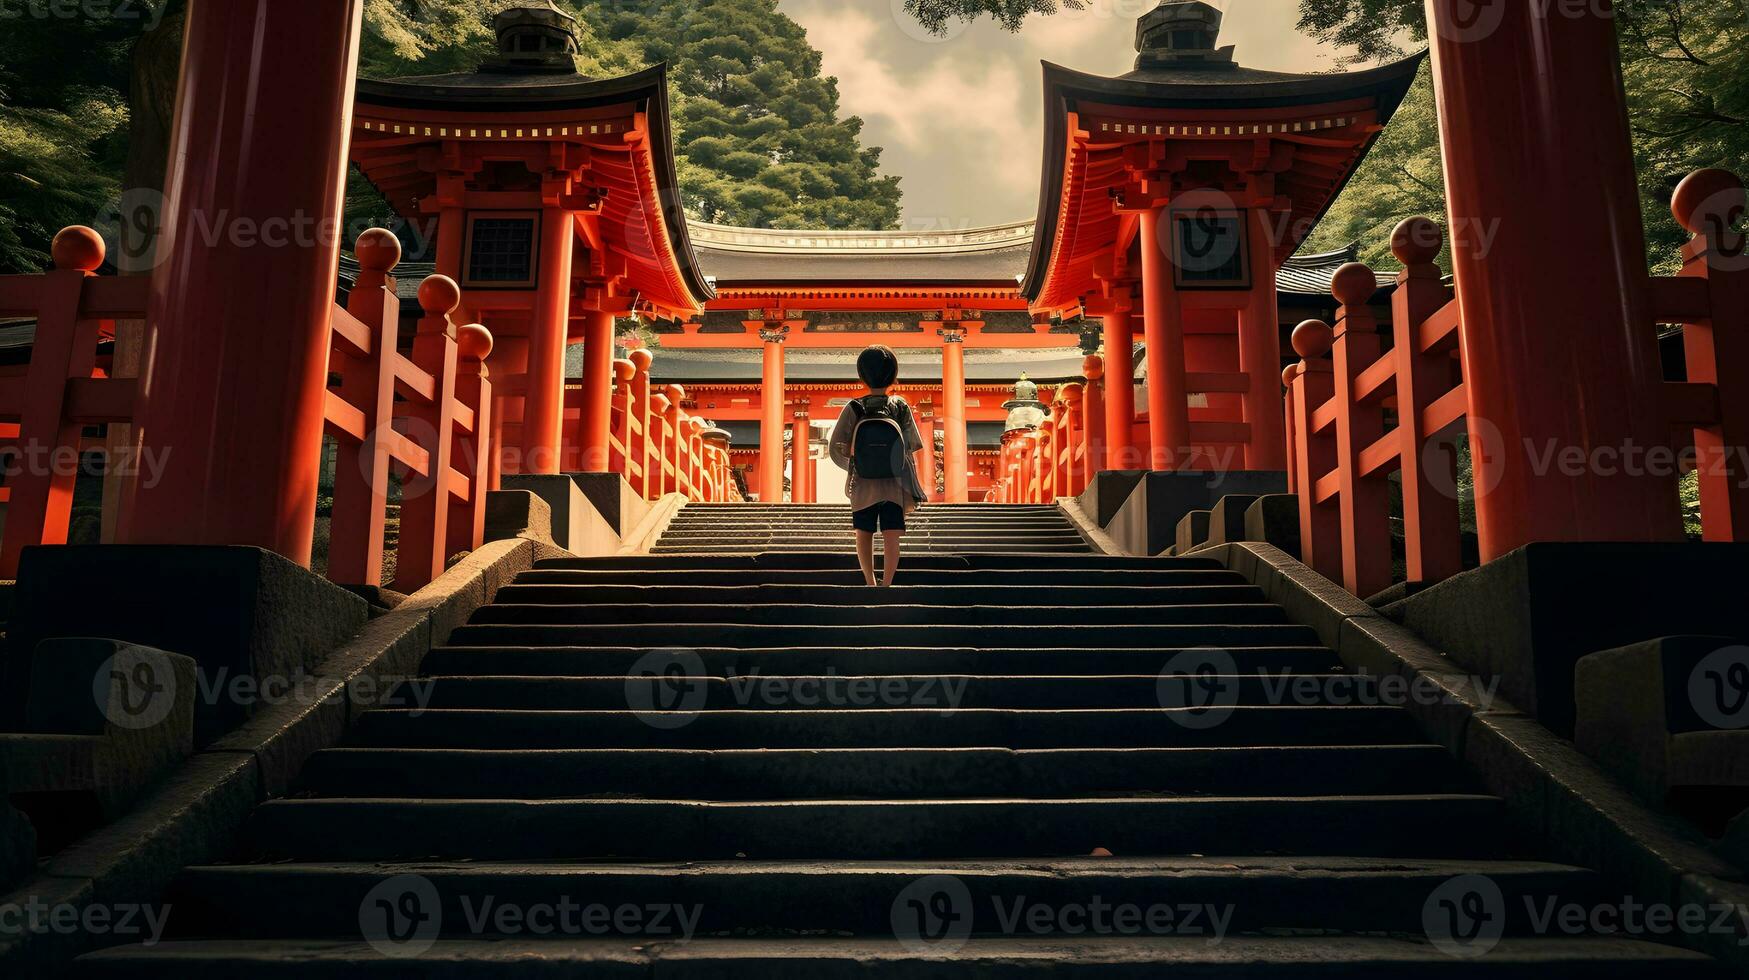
(934, 15)
(1686, 67)
(759, 136)
(1402, 177)
(63, 125)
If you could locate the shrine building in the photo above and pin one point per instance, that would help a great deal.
(1161, 259)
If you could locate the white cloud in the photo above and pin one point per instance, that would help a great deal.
(961, 119)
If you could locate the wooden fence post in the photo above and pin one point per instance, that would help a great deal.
(1433, 545)
(1365, 500)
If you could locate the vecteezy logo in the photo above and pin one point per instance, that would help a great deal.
(1719, 688)
(1464, 21)
(667, 688)
(402, 916)
(933, 915)
(1204, 682)
(1466, 916)
(136, 688)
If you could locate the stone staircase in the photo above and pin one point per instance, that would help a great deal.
(948, 529)
(707, 764)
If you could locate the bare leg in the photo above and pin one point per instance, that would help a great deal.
(865, 555)
(890, 564)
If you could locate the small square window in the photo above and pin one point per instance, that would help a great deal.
(1209, 250)
(502, 250)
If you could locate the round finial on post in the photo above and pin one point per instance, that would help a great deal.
(1354, 284)
(659, 403)
(1313, 338)
(474, 342)
(1707, 199)
(378, 250)
(78, 247)
(623, 370)
(641, 359)
(1417, 241)
(1288, 374)
(439, 295)
(676, 394)
(1072, 393)
(1093, 367)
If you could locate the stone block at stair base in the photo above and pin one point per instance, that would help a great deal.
(578, 527)
(1227, 522)
(1107, 493)
(614, 499)
(1147, 522)
(1193, 532)
(1275, 519)
(1661, 714)
(242, 614)
(1529, 616)
(17, 837)
(105, 720)
(518, 514)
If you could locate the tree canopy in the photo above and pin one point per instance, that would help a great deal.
(1686, 67)
(761, 141)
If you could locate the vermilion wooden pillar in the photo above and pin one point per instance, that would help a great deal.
(953, 414)
(1260, 352)
(237, 338)
(1120, 392)
(1163, 325)
(597, 390)
(926, 455)
(1549, 250)
(771, 419)
(1093, 369)
(543, 415)
(800, 458)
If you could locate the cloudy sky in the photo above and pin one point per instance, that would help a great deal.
(961, 117)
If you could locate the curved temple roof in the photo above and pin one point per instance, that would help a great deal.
(1092, 122)
(989, 256)
(622, 122)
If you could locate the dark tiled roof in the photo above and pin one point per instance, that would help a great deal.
(803, 366)
(993, 267)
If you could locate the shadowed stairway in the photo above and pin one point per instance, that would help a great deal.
(818, 779)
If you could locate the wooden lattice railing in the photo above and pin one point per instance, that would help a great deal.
(1358, 412)
(427, 413)
(46, 404)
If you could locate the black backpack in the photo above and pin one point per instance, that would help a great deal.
(877, 444)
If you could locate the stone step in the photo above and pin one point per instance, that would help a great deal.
(843, 536)
(1036, 584)
(659, 727)
(768, 692)
(987, 958)
(716, 661)
(795, 616)
(834, 561)
(786, 898)
(654, 636)
(841, 774)
(1448, 826)
(1040, 552)
(732, 594)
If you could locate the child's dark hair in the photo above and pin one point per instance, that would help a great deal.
(878, 367)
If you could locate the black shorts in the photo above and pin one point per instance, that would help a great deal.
(884, 516)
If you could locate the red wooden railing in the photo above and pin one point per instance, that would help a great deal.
(657, 445)
(428, 412)
(1050, 462)
(1358, 413)
(45, 405)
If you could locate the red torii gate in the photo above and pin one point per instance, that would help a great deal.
(1555, 340)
